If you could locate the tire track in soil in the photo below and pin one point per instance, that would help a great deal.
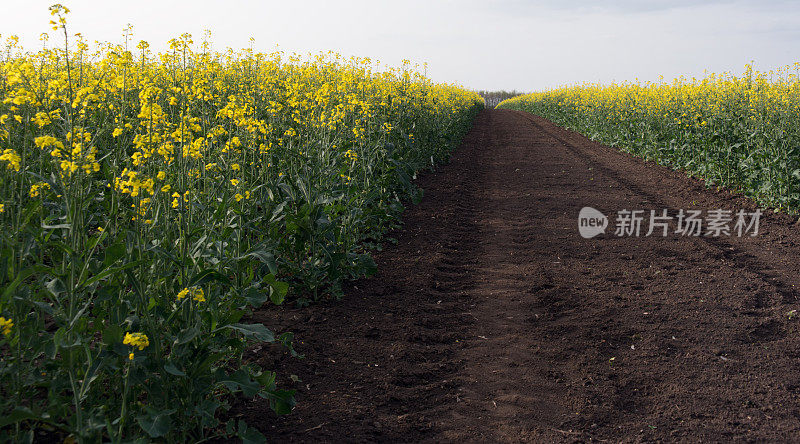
(493, 320)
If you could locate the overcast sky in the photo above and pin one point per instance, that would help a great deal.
(488, 44)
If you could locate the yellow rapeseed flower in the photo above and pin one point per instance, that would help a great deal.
(6, 325)
(136, 340)
(12, 158)
(196, 294)
(37, 188)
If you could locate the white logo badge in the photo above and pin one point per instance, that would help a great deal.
(591, 222)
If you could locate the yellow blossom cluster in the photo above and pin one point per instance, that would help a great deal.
(5, 326)
(130, 182)
(37, 188)
(139, 340)
(11, 158)
(196, 293)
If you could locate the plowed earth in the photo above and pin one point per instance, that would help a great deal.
(492, 319)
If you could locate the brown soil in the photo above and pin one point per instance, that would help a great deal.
(493, 320)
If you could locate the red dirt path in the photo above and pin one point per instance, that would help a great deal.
(493, 320)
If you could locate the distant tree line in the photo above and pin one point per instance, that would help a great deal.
(493, 98)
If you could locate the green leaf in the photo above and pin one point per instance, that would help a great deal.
(56, 287)
(172, 370)
(108, 272)
(50, 349)
(208, 276)
(134, 282)
(278, 212)
(17, 415)
(206, 410)
(249, 435)
(114, 253)
(281, 401)
(24, 274)
(366, 264)
(140, 440)
(279, 289)
(112, 334)
(252, 436)
(256, 331)
(286, 340)
(266, 379)
(156, 424)
(60, 339)
(186, 335)
(58, 226)
(255, 297)
(264, 257)
(239, 380)
(27, 437)
(205, 365)
(44, 306)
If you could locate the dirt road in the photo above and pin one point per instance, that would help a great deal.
(492, 319)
